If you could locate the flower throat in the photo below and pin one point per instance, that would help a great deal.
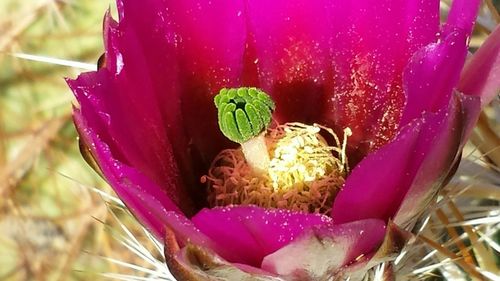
(290, 166)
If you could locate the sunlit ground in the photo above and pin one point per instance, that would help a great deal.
(53, 226)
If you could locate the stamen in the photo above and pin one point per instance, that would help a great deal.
(304, 175)
(302, 155)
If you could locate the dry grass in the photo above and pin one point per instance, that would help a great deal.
(54, 227)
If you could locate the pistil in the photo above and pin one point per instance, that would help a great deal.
(245, 113)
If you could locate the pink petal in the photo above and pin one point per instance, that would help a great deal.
(377, 186)
(144, 198)
(123, 133)
(471, 108)
(250, 233)
(434, 70)
(462, 16)
(432, 74)
(481, 75)
(140, 52)
(295, 41)
(137, 98)
(369, 55)
(323, 250)
(440, 159)
(292, 49)
(210, 38)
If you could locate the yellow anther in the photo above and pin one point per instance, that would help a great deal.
(302, 155)
(305, 173)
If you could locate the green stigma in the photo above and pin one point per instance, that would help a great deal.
(243, 112)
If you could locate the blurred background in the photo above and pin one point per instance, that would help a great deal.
(54, 226)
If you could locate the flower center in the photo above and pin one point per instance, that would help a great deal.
(291, 166)
(302, 155)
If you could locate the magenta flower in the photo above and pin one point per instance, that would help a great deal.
(390, 73)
